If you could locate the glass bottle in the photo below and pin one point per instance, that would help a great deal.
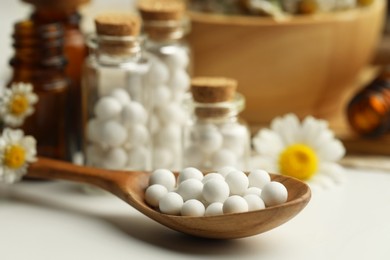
(39, 59)
(216, 136)
(165, 27)
(115, 99)
(368, 112)
(66, 13)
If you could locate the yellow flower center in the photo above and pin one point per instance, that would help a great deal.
(19, 105)
(299, 161)
(14, 156)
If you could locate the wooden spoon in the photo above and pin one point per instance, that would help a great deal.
(130, 187)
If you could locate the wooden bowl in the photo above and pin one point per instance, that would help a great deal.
(308, 65)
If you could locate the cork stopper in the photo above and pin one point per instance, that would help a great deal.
(57, 4)
(161, 10)
(213, 89)
(213, 95)
(117, 24)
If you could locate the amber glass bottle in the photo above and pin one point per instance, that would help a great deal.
(369, 111)
(66, 13)
(39, 59)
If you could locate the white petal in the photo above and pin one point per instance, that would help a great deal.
(312, 128)
(263, 162)
(267, 142)
(33, 98)
(322, 139)
(288, 127)
(13, 135)
(29, 144)
(331, 151)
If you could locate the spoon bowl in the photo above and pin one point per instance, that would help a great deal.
(130, 186)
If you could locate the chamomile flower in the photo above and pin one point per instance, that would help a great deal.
(16, 152)
(307, 150)
(17, 103)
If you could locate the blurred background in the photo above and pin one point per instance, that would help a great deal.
(14, 10)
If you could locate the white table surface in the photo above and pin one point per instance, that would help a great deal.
(56, 220)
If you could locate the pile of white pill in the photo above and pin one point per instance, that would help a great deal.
(168, 80)
(118, 137)
(226, 191)
(211, 146)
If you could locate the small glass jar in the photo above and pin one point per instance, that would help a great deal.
(39, 60)
(115, 99)
(216, 136)
(165, 27)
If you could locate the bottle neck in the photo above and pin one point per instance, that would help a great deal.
(115, 49)
(166, 31)
(69, 17)
(38, 52)
(218, 112)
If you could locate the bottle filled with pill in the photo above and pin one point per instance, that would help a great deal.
(165, 27)
(115, 99)
(215, 135)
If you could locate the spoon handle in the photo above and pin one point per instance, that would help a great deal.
(56, 169)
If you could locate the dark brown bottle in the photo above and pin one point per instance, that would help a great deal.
(66, 13)
(39, 60)
(368, 112)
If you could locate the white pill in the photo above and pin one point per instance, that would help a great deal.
(258, 178)
(194, 156)
(209, 141)
(154, 193)
(189, 173)
(94, 155)
(169, 135)
(214, 209)
(171, 113)
(235, 204)
(134, 113)
(274, 193)
(107, 108)
(193, 208)
(235, 138)
(254, 202)
(179, 81)
(93, 131)
(203, 128)
(177, 59)
(113, 133)
(121, 95)
(139, 158)
(163, 177)
(162, 158)
(238, 182)
(226, 170)
(158, 73)
(135, 83)
(137, 134)
(253, 190)
(222, 158)
(215, 191)
(161, 96)
(171, 203)
(115, 158)
(190, 189)
(211, 176)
